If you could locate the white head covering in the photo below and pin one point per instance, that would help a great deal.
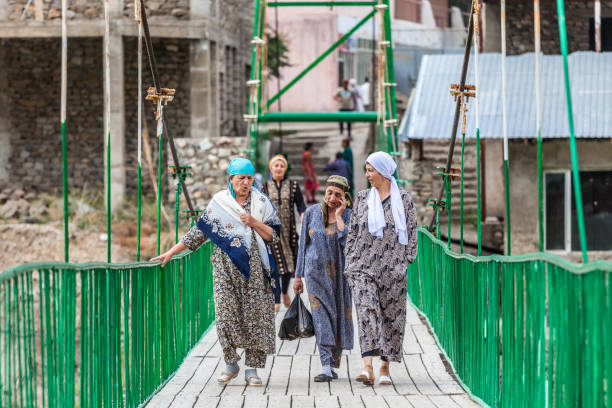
(385, 165)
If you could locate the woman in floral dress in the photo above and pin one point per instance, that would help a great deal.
(240, 221)
(382, 241)
(287, 196)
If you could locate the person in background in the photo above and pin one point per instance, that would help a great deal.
(321, 263)
(346, 101)
(340, 167)
(347, 155)
(382, 241)
(240, 221)
(355, 89)
(364, 92)
(311, 185)
(287, 196)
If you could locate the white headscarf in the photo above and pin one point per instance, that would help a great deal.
(385, 165)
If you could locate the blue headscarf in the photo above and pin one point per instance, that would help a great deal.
(239, 165)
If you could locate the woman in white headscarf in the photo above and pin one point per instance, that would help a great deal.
(382, 241)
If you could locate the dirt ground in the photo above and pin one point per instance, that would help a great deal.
(27, 243)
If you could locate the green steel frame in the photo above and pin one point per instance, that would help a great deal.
(137, 323)
(257, 107)
(521, 331)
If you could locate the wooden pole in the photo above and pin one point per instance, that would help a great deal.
(597, 21)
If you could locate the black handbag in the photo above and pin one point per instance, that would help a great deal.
(297, 323)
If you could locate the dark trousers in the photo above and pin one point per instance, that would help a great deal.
(285, 279)
(348, 124)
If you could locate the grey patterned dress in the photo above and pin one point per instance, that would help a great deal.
(376, 272)
(244, 309)
(321, 262)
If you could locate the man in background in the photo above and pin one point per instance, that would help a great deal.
(340, 167)
(347, 155)
(346, 100)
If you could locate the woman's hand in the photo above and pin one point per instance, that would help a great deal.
(298, 286)
(342, 207)
(248, 220)
(167, 256)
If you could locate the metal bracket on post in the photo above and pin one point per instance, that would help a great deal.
(160, 99)
(192, 215)
(469, 91)
(179, 173)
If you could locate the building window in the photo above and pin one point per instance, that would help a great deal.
(606, 34)
(561, 226)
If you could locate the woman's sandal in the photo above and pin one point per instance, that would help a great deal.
(367, 376)
(226, 377)
(253, 380)
(385, 378)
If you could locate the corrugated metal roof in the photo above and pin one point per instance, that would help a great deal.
(432, 109)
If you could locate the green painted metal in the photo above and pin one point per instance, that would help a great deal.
(139, 212)
(65, 193)
(540, 195)
(390, 78)
(461, 193)
(507, 196)
(449, 207)
(137, 323)
(367, 116)
(521, 331)
(159, 187)
(570, 117)
(320, 58)
(108, 198)
(320, 3)
(254, 103)
(478, 194)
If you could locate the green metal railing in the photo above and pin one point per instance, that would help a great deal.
(522, 331)
(99, 334)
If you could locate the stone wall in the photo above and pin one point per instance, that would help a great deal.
(209, 160)
(172, 56)
(178, 9)
(425, 184)
(33, 76)
(577, 13)
(94, 9)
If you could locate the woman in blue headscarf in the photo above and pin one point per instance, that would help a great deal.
(241, 222)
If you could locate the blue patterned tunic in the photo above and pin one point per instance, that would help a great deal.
(321, 262)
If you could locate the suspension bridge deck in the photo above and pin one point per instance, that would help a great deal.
(422, 380)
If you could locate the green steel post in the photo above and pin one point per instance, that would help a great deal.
(108, 198)
(390, 69)
(370, 116)
(321, 58)
(139, 213)
(252, 127)
(320, 3)
(570, 118)
(178, 208)
(478, 194)
(507, 194)
(461, 208)
(540, 194)
(159, 188)
(449, 202)
(65, 186)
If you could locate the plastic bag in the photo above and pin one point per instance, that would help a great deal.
(297, 323)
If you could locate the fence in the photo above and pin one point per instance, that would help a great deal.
(99, 334)
(530, 330)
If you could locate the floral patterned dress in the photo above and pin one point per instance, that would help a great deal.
(244, 308)
(376, 272)
(286, 197)
(321, 262)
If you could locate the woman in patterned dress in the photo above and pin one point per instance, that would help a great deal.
(287, 196)
(240, 221)
(382, 241)
(321, 262)
(311, 184)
